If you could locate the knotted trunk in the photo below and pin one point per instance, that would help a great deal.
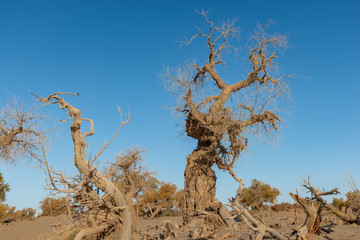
(313, 216)
(200, 180)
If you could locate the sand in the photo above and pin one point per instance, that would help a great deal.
(43, 227)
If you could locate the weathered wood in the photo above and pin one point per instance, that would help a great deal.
(254, 224)
(219, 127)
(88, 170)
(313, 216)
(348, 217)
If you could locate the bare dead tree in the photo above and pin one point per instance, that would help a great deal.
(221, 118)
(19, 131)
(312, 222)
(317, 195)
(313, 207)
(105, 213)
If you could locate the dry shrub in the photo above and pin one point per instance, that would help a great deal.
(54, 206)
(6, 211)
(340, 203)
(353, 201)
(161, 199)
(257, 194)
(4, 188)
(24, 214)
(285, 206)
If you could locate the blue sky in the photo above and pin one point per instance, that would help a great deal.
(111, 52)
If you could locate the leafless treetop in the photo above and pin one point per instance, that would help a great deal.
(20, 132)
(222, 113)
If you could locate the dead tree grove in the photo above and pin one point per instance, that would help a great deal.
(221, 114)
(105, 213)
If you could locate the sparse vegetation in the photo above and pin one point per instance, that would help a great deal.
(8, 214)
(353, 201)
(257, 194)
(161, 199)
(24, 214)
(284, 206)
(6, 211)
(4, 188)
(228, 98)
(141, 188)
(340, 203)
(54, 206)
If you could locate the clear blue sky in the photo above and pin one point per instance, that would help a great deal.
(112, 51)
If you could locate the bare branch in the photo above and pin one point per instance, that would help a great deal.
(128, 119)
(102, 213)
(317, 195)
(19, 130)
(220, 129)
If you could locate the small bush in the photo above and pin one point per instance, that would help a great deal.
(285, 206)
(6, 211)
(4, 188)
(340, 203)
(353, 201)
(24, 214)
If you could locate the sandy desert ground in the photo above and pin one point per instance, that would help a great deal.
(43, 227)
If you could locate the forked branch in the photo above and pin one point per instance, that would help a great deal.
(117, 205)
(317, 195)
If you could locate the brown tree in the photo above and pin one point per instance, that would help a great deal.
(8, 214)
(6, 211)
(4, 188)
(221, 114)
(104, 213)
(53, 206)
(130, 176)
(161, 196)
(257, 194)
(19, 132)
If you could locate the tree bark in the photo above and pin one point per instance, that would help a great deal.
(313, 216)
(200, 180)
(87, 169)
(100, 181)
(133, 214)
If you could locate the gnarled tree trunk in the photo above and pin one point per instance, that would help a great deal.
(200, 180)
(313, 216)
(87, 169)
(221, 127)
